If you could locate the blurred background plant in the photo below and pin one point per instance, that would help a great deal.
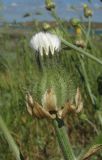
(19, 73)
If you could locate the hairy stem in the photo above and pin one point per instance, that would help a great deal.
(64, 141)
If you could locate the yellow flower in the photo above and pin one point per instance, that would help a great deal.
(78, 31)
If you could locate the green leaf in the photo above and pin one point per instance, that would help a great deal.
(10, 140)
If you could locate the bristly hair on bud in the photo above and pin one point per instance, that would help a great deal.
(44, 42)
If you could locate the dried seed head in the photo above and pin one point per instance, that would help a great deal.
(49, 100)
(49, 109)
(35, 109)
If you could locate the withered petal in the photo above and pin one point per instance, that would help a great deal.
(35, 109)
(40, 112)
(68, 108)
(79, 108)
(78, 101)
(29, 109)
(78, 97)
(29, 99)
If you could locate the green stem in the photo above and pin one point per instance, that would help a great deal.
(81, 51)
(89, 40)
(64, 142)
(86, 80)
(54, 15)
(93, 126)
(10, 140)
(88, 32)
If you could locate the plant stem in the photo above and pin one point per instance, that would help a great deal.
(89, 40)
(81, 51)
(64, 142)
(88, 32)
(86, 80)
(59, 21)
(10, 140)
(92, 125)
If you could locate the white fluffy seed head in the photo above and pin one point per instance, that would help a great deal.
(45, 42)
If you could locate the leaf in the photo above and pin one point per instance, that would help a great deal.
(91, 151)
(10, 140)
(95, 146)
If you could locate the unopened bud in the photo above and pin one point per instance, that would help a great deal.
(87, 11)
(75, 22)
(49, 4)
(80, 43)
(46, 26)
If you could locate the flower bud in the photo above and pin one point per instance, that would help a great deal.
(49, 5)
(80, 43)
(87, 11)
(75, 22)
(46, 26)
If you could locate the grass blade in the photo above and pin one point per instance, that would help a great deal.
(10, 140)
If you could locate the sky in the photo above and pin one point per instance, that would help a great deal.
(14, 10)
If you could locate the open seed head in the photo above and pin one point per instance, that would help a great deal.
(45, 42)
